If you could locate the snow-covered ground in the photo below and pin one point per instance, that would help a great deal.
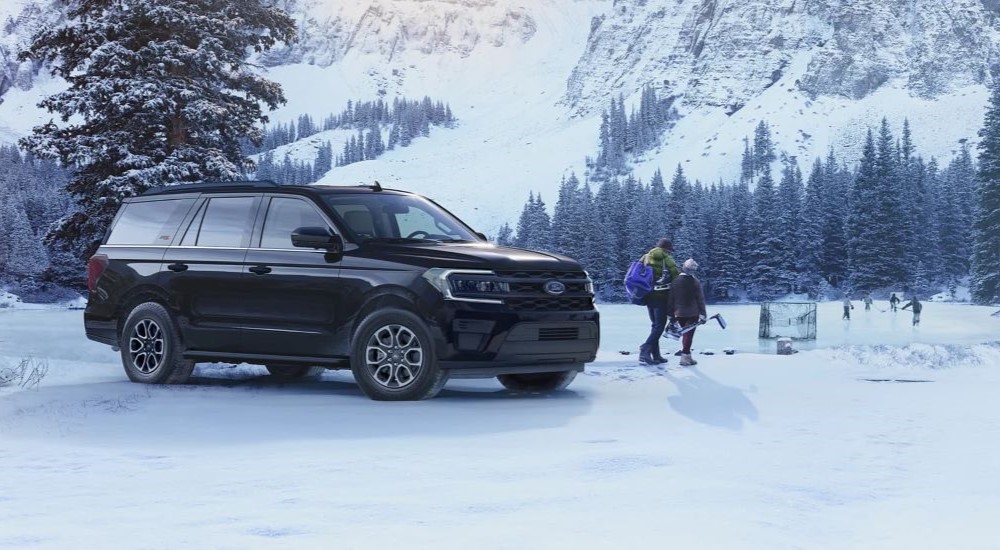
(744, 451)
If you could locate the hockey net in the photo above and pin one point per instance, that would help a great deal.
(795, 320)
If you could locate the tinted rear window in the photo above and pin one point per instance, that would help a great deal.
(227, 222)
(150, 222)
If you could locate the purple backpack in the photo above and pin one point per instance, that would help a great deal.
(638, 281)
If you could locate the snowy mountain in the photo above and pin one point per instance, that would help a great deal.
(528, 80)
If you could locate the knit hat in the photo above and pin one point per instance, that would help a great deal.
(690, 265)
(665, 244)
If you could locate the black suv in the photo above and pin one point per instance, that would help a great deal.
(383, 282)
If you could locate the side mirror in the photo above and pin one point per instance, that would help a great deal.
(317, 237)
(481, 235)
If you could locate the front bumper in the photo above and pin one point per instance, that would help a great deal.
(483, 340)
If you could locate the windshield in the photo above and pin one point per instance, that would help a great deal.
(387, 217)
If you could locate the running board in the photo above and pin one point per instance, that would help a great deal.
(266, 359)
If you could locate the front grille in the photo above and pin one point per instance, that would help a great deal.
(567, 333)
(527, 291)
(580, 303)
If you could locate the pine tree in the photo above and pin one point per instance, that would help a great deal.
(569, 218)
(21, 251)
(810, 243)
(505, 235)
(869, 234)
(763, 148)
(746, 164)
(158, 93)
(986, 243)
(789, 220)
(838, 205)
(765, 253)
(677, 203)
(728, 255)
(534, 228)
(608, 206)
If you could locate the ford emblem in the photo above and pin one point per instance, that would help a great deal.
(554, 288)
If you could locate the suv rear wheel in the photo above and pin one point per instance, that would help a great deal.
(538, 382)
(393, 357)
(151, 348)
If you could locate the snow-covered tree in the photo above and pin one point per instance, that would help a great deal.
(986, 243)
(505, 235)
(809, 265)
(789, 221)
(765, 252)
(159, 93)
(534, 228)
(21, 251)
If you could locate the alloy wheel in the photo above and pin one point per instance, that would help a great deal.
(146, 346)
(394, 356)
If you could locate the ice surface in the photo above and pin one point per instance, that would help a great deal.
(744, 451)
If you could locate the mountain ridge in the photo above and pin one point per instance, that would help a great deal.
(529, 81)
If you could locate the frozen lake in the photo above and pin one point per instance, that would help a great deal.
(743, 451)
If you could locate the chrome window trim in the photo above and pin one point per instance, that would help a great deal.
(195, 247)
(284, 330)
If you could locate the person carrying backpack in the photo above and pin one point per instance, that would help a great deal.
(688, 301)
(917, 308)
(658, 301)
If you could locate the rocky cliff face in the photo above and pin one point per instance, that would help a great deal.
(725, 52)
(18, 25)
(329, 31)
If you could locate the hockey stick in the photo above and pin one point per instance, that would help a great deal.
(717, 317)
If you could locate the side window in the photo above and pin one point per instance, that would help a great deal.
(150, 222)
(227, 222)
(285, 215)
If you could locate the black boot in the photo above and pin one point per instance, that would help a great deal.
(645, 357)
(657, 357)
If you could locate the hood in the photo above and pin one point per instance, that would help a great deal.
(467, 256)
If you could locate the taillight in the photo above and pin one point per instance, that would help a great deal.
(95, 268)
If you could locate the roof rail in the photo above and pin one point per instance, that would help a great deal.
(200, 186)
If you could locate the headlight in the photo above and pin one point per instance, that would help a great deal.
(467, 285)
(461, 285)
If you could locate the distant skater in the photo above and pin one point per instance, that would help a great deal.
(868, 301)
(848, 306)
(894, 302)
(917, 308)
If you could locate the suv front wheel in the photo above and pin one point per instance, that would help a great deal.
(539, 382)
(151, 348)
(393, 357)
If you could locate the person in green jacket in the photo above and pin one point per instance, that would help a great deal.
(658, 301)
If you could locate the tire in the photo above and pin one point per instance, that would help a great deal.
(393, 357)
(151, 348)
(542, 382)
(288, 374)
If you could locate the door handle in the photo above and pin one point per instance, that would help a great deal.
(260, 270)
(178, 267)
